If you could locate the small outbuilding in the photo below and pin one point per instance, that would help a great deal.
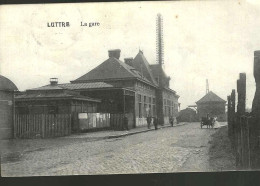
(55, 99)
(212, 105)
(7, 89)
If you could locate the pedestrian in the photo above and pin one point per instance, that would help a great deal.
(171, 120)
(149, 120)
(125, 122)
(207, 116)
(155, 122)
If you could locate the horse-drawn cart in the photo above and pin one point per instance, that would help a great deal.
(209, 122)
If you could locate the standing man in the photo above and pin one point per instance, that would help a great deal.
(171, 121)
(155, 122)
(149, 120)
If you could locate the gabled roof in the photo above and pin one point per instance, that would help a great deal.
(141, 64)
(210, 97)
(112, 68)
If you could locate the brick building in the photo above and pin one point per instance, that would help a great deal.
(137, 88)
(213, 105)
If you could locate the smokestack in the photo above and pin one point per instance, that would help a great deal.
(114, 53)
(53, 81)
(207, 86)
(159, 40)
(129, 61)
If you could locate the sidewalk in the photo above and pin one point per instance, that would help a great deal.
(116, 134)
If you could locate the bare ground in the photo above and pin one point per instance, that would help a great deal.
(221, 155)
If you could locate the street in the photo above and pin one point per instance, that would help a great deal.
(173, 149)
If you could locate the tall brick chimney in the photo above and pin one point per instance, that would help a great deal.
(114, 53)
(129, 61)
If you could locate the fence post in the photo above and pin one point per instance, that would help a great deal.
(228, 117)
(241, 90)
(69, 124)
(256, 113)
(43, 125)
(256, 101)
(233, 111)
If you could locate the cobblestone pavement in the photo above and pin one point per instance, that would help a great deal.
(182, 148)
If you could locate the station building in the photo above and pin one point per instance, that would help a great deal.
(133, 87)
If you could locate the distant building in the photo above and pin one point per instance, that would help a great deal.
(188, 115)
(7, 89)
(213, 105)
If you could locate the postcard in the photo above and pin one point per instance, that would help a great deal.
(129, 87)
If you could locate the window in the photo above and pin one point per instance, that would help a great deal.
(150, 100)
(153, 100)
(154, 110)
(164, 101)
(139, 98)
(140, 110)
(145, 109)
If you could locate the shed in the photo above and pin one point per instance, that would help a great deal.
(7, 89)
(213, 105)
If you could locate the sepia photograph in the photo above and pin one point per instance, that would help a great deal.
(129, 87)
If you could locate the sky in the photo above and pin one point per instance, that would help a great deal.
(212, 40)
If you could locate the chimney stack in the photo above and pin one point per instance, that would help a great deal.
(53, 81)
(129, 61)
(114, 53)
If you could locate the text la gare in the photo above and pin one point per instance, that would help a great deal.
(91, 24)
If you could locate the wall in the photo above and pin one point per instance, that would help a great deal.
(6, 115)
(170, 103)
(147, 103)
(214, 109)
(111, 100)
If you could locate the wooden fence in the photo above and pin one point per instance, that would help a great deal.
(93, 121)
(42, 125)
(244, 128)
(246, 142)
(117, 121)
